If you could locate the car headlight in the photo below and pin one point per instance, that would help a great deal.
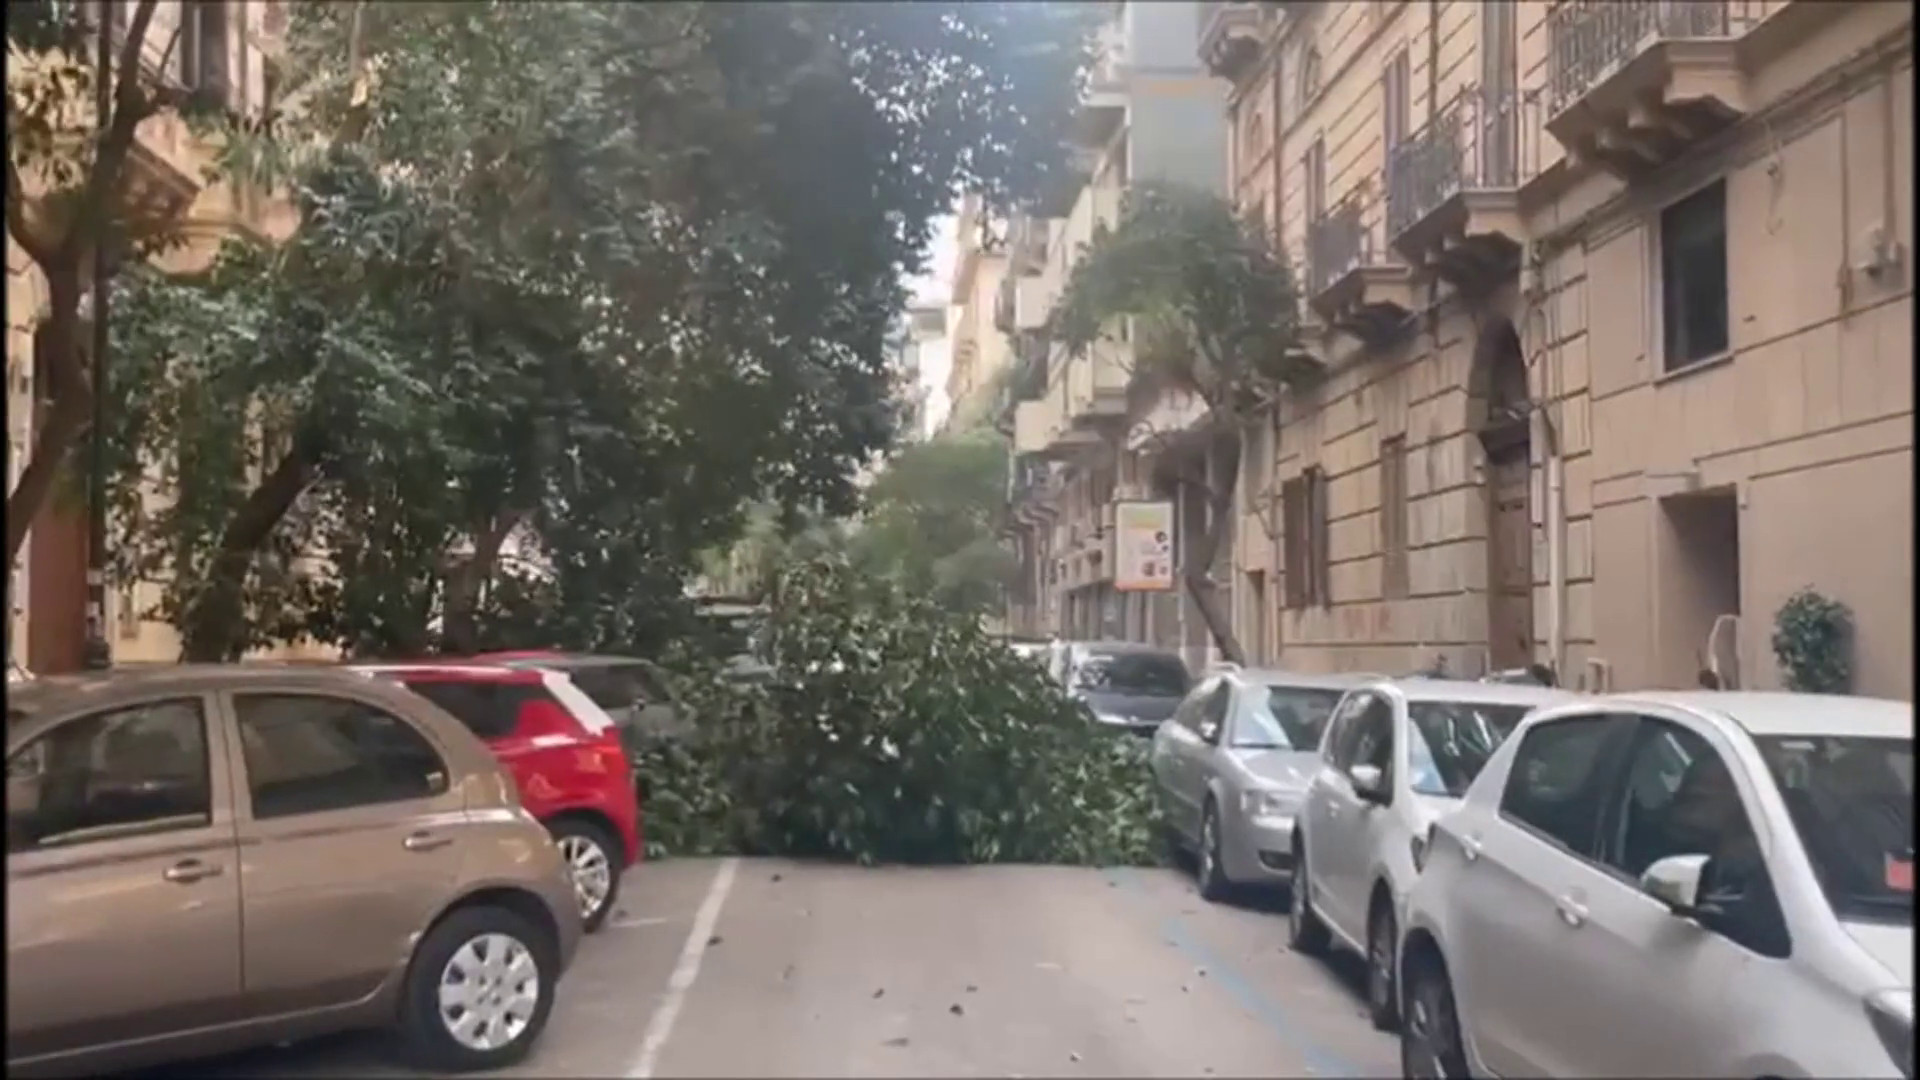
(1270, 802)
(1891, 1014)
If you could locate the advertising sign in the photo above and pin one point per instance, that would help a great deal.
(1143, 546)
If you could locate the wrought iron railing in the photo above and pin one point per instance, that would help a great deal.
(1338, 242)
(1482, 140)
(1588, 39)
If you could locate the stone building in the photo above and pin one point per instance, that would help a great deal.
(1614, 299)
(230, 47)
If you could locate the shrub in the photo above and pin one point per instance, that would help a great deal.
(1813, 641)
(891, 731)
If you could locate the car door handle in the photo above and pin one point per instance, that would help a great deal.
(425, 841)
(1470, 847)
(188, 871)
(1572, 912)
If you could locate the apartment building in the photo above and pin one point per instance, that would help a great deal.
(224, 45)
(978, 353)
(1084, 439)
(1615, 302)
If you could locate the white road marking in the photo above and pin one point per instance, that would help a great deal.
(635, 924)
(684, 973)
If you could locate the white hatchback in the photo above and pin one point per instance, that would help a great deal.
(1674, 884)
(1396, 754)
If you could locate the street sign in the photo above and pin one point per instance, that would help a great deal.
(1143, 547)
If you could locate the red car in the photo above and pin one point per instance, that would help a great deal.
(564, 753)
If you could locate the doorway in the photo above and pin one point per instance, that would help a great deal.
(1502, 413)
(1699, 581)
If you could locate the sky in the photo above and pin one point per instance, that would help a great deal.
(934, 287)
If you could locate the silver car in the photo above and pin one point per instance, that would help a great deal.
(1232, 765)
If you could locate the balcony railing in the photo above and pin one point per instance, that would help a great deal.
(1482, 140)
(1338, 243)
(1588, 39)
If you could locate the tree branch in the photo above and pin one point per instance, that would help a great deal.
(19, 227)
(130, 107)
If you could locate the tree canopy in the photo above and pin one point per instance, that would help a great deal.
(574, 285)
(1214, 314)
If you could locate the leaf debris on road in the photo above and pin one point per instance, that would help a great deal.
(956, 1010)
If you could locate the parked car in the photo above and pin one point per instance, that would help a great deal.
(565, 755)
(201, 859)
(630, 690)
(1673, 884)
(1231, 767)
(1123, 685)
(1396, 754)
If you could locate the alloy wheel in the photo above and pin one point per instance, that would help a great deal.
(591, 871)
(488, 992)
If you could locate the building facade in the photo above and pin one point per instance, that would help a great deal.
(1084, 438)
(978, 353)
(226, 46)
(1614, 298)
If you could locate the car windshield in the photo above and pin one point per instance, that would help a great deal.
(1282, 717)
(1136, 674)
(1851, 801)
(1452, 740)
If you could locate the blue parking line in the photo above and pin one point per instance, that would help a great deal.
(1319, 1060)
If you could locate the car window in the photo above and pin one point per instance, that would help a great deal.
(1555, 785)
(1281, 717)
(1339, 737)
(1372, 739)
(1146, 674)
(1850, 799)
(1679, 797)
(1449, 742)
(1211, 715)
(308, 753)
(125, 772)
(616, 687)
(490, 710)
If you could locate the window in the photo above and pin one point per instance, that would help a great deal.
(1554, 786)
(1393, 517)
(1680, 798)
(1372, 740)
(1693, 277)
(1282, 717)
(1450, 742)
(490, 710)
(128, 772)
(1851, 801)
(1212, 714)
(307, 754)
(1319, 565)
(1395, 103)
(1313, 179)
(203, 46)
(1293, 540)
(1338, 741)
(1309, 76)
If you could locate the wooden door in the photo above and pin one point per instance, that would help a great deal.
(1510, 560)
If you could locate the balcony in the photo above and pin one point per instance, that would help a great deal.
(1453, 205)
(1027, 244)
(1352, 287)
(1231, 34)
(1104, 108)
(1040, 429)
(1096, 385)
(1633, 84)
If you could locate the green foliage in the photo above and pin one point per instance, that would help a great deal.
(591, 278)
(892, 731)
(1813, 643)
(934, 518)
(1213, 304)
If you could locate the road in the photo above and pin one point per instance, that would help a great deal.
(771, 968)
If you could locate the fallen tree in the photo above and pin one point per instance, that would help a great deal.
(891, 731)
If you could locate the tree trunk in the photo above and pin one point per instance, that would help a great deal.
(70, 394)
(212, 630)
(460, 629)
(1198, 572)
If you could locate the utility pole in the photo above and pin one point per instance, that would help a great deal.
(99, 654)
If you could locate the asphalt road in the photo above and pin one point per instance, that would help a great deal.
(730, 968)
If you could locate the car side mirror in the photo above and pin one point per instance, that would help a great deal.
(1369, 783)
(1675, 882)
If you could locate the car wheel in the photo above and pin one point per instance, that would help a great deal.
(593, 863)
(1212, 876)
(1430, 1045)
(479, 990)
(1305, 932)
(1381, 944)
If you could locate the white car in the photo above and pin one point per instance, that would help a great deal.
(1396, 754)
(1673, 884)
